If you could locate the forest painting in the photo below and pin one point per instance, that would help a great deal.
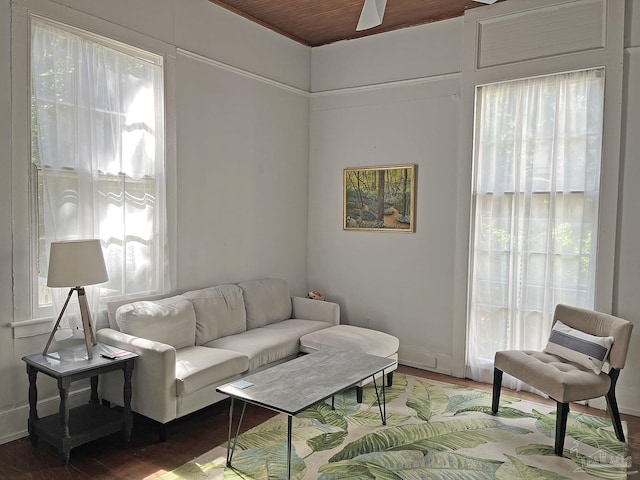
(379, 198)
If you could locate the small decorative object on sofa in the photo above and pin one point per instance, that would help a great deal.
(315, 295)
(189, 344)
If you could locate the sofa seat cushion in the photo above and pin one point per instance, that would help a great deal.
(171, 321)
(219, 312)
(266, 301)
(271, 343)
(349, 337)
(198, 367)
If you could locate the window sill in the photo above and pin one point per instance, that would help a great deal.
(31, 328)
(41, 326)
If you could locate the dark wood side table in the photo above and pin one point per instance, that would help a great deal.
(72, 427)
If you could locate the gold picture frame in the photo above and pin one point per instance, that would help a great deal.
(367, 190)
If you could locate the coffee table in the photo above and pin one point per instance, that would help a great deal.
(298, 384)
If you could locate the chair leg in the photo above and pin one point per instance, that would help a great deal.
(561, 426)
(497, 385)
(612, 405)
(390, 379)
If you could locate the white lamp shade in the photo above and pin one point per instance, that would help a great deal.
(76, 263)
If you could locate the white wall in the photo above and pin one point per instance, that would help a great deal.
(627, 275)
(8, 369)
(242, 187)
(404, 283)
(238, 96)
(396, 282)
(417, 52)
(204, 28)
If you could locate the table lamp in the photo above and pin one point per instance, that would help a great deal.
(74, 264)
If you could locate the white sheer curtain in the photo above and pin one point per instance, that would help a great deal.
(98, 148)
(535, 212)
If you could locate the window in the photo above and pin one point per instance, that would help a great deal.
(97, 150)
(536, 187)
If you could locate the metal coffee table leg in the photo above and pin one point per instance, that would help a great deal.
(381, 405)
(289, 427)
(231, 448)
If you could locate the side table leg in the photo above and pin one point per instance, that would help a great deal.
(94, 390)
(33, 404)
(127, 393)
(65, 437)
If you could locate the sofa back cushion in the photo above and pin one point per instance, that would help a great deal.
(169, 320)
(266, 301)
(219, 312)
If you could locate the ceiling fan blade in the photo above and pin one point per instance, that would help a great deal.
(372, 14)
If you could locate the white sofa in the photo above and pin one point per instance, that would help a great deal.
(188, 344)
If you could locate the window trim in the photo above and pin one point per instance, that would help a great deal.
(27, 322)
(609, 55)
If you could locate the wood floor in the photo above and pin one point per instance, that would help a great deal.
(189, 437)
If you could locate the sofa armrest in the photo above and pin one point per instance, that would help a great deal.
(153, 380)
(309, 309)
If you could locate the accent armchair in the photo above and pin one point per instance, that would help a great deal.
(569, 368)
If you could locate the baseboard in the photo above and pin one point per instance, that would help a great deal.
(14, 421)
(418, 357)
(628, 401)
(422, 367)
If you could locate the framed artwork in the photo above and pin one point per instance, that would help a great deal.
(379, 198)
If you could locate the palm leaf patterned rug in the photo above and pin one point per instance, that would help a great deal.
(434, 430)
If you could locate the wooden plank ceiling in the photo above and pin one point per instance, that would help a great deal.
(319, 22)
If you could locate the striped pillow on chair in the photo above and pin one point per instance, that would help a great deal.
(579, 347)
